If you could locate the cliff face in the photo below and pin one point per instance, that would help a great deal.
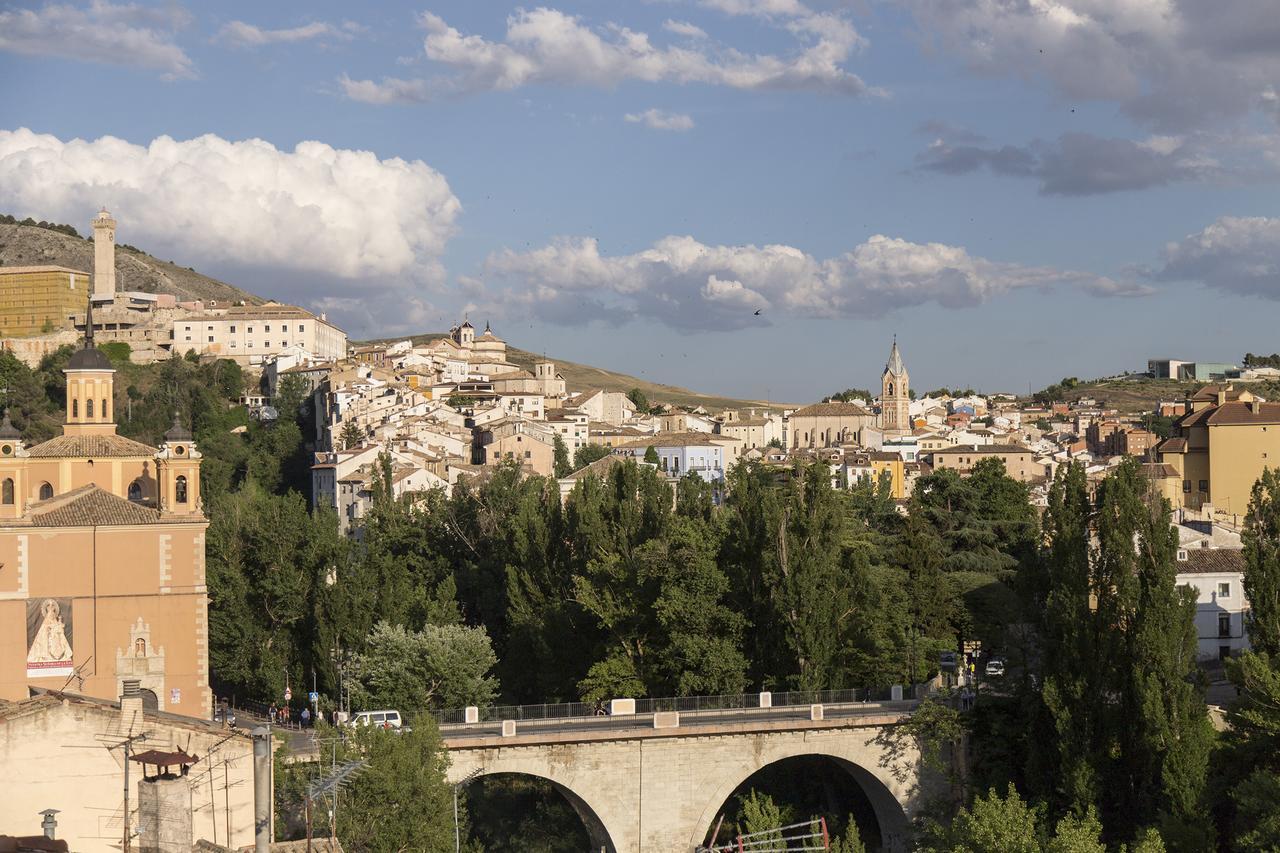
(27, 246)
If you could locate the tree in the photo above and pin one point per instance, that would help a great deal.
(759, 814)
(651, 456)
(401, 801)
(996, 824)
(441, 666)
(351, 435)
(561, 465)
(636, 396)
(589, 453)
(1253, 754)
(1262, 564)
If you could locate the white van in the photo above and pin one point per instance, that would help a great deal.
(381, 719)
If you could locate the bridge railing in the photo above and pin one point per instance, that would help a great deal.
(688, 704)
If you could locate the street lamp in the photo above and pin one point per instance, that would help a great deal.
(466, 780)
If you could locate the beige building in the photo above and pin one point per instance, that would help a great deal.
(102, 549)
(248, 334)
(828, 424)
(517, 440)
(40, 300)
(1019, 462)
(1221, 446)
(63, 751)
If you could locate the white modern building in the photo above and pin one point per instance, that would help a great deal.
(250, 334)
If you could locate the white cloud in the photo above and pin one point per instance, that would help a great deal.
(240, 34)
(112, 34)
(661, 120)
(1238, 254)
(760, 8)
(684, 28)
(1173, 64)
(547, 46)
(315, 211)
(693, 286)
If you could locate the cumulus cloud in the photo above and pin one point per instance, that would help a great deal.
(661, 120)
(1173, 64)
(547, 46)
(693, 286)
(1238, 254)
(113, 34)
(240, 34)
(1082, 163)
(313, 211)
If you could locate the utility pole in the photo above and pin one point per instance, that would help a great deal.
(126, 841)
(457, 830)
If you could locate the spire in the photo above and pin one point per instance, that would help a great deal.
(88, 325)
(7, 429)
(177, 432)
(895, 365)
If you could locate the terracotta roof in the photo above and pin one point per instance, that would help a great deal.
(1160, 470)
(673, 439)
(1172, 445)
(818, 410)
(1203, 561)
(90, 447)
(599, 468)
(90, 505)
(1244, 413)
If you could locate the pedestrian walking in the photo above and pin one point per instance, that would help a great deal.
(273, 713)
(306, 717)
(319, 716)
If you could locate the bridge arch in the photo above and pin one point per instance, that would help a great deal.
(886, 795)
(588, 813)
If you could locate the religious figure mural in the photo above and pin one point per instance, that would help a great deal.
(49, 638)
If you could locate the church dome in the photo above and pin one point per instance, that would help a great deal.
(89, 358)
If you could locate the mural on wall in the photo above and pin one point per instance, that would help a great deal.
(49, 637)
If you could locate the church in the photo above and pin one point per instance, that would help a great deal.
(102, 556)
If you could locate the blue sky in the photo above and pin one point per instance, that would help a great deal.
(1019, 190)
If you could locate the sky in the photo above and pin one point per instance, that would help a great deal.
(744, 197)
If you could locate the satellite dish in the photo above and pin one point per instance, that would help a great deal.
(268, 413)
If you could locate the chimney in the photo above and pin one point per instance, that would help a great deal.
(49, 824)
(131, 701)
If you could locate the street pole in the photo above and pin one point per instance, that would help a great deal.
(457, 831)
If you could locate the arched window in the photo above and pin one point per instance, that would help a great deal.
(180, 490)
(890, 389)
(140, 648)
(88, 408)
(6, 492)
(75, 408)
(135, 491)
(46, 491)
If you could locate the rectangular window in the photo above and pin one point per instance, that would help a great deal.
(251, 330)
(300, 327)
(1186, 486)
(233, 329)
(211, 339)
(527, 454)
(1204, 485)
(1224, 590)
(1224, 625)
(209, 329)
(266, 328)
(187, 329)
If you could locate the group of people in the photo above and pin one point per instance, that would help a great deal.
(281, 716)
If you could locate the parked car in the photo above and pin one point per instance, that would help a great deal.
(226, 716)
(381, 719)
(995, 667)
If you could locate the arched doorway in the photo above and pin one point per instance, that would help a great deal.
(520, 811)
(808, 786)
(150, 702)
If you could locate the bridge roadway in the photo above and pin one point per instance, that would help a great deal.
(654, 782)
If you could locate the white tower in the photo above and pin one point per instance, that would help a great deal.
(104, 255)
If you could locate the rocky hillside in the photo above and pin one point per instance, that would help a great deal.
(30, 245)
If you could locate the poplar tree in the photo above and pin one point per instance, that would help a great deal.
(1262, 564)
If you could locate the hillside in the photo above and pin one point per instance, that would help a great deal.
(29, 245)
(581, 377)
(1139, 394)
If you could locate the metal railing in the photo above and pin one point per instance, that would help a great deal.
(704, 708)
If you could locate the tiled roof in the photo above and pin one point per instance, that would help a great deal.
(599, 468)
(825, 410)
(1172, 445)
(90, 505)
(1244, 413)
(674, 439)
(983, 448)
(1204, 561)
(89, 447)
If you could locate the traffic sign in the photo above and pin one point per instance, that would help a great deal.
(288, 694)
(313, 697)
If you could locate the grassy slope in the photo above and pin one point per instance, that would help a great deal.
(1141, 395)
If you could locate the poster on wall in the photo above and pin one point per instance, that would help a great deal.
(49, 638)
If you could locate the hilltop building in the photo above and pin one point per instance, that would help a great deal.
(250, 334)
(102, 549)
(39, 300)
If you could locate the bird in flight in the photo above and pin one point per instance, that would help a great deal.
(758, 312)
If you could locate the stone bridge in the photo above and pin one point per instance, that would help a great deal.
(656, 782)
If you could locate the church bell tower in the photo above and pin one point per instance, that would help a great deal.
(895, 395)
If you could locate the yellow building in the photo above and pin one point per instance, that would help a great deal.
(102, 572)
(38, 300)
(1222, 444)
